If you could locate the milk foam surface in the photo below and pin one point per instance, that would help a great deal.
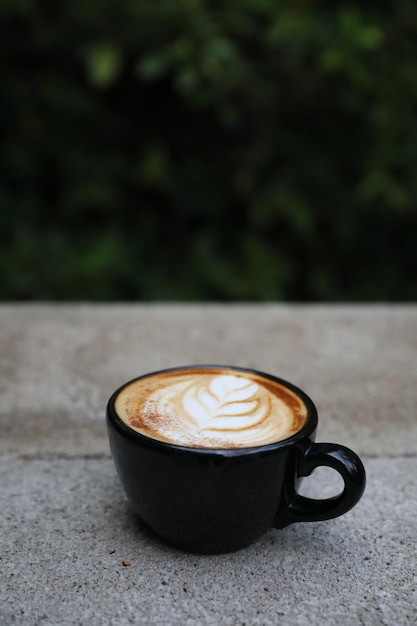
(211, 408)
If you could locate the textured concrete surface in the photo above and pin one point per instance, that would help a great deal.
(66, 528)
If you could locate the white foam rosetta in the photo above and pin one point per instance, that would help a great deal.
(211, 410)
(226, 403)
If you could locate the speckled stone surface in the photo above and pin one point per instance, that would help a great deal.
(66, 528)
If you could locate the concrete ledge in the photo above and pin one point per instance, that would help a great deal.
(66, 527)
(61, 363)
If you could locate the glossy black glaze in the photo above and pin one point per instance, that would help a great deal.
(212, 501)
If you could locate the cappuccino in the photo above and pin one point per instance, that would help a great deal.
(208, 407)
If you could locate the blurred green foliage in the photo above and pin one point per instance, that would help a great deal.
(182, 150)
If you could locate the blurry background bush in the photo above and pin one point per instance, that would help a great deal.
(183, 150)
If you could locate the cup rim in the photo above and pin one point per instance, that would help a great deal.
(164, 446)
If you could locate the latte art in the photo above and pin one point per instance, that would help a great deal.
(225, 402)
(211, 408)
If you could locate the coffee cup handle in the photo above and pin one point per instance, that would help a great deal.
(346, 463)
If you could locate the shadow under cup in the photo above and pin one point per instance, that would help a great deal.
(221, 500)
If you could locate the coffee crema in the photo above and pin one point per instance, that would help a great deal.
(211, 408)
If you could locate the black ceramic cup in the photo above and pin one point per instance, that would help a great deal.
(221, 500)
